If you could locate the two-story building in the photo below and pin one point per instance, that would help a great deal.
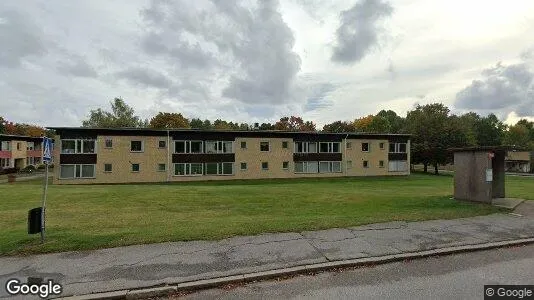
(517, 161)
(18, 151)
(98, 155)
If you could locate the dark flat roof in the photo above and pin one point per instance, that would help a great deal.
(213, 132)
(486, 148)
(12, 137)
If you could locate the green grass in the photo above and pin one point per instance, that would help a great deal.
(97, 216)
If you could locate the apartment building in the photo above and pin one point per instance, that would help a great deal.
(18, 151)
(517, 161)
(97, 155)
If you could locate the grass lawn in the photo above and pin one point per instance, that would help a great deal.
(98, 216)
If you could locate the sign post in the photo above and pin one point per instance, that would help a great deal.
(47, 158)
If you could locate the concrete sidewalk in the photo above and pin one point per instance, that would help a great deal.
(141, 266)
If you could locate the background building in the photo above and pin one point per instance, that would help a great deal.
(517, 161)
(89, 155)
(20, 151)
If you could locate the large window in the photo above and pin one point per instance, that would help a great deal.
(4, 162)
(264, 146)
(305, 147)
(30, 146)
(306, 167)
(77, 171)
(365, 147)
(225, 168)
(329, 167)
(188, 169)
(78, 146)
(398, 166)
(218, 147)
(397, 148)
(5, 146)
(329, 147)
(188, 146)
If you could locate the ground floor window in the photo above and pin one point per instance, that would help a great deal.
(188, 169)
(306, 167)
(223, 168)
(329, 166)
(76, 171)
(398, 166)
(4, 162)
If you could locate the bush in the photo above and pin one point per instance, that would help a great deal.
(41, 167)
(8, 171)
(28, 169)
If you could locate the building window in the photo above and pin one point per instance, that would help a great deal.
(188, 146)
(329, 167)
(329, 147)
(18, 146)
(108, 143)
(284, 144)
(30, 146)
(76, 171)
(243, 166)
(349, 164)
(135, 168)
(305, 147)
(162, 167)
(265, 165)
(225, 168)
(398, 166)
(264, 146)
(218, 147)
(78, 146)
(381, 164)
(5, 146)
(306, 167)
(108, 168)
(349, 145)
(4, 162)
(243, 145)
(136, 146)
(366, 164)
(381, 146)
(188, 169)
(365, 147)
(162, 144)
(285, 165)
(397, 148)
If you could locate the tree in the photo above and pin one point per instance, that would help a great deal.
(362, 124)
(222, 125)
(489, 131)
(433, 133)
(396, 122)
(518, 135)
(2, 125)
(169, 120)
(294, 124)
(121, 115)
(266, 126)
(339, 127)
(529, 126)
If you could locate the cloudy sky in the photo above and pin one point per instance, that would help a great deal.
(258, 60)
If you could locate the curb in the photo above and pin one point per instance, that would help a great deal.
(142, 293)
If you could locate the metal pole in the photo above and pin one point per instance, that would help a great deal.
(44, 204)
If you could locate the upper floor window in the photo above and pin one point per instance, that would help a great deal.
(397, 148)
(219, 147)
(305, 147)
(78, 146)
(264, 146)
(136, 146)
(349, 145)
(365, 147)
(188, 147)
(243, 145)
(162, 144)
(108, 143)
(5, 146)
(30, 146)
(381, 146)
(18, 146)
(329, 147)
(284, 144)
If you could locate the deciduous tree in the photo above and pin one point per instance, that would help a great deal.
(121, 115)
(169, 120)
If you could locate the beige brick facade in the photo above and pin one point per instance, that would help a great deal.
(121, 159)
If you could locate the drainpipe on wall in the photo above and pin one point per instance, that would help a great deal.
(345, 155)
(168, 156)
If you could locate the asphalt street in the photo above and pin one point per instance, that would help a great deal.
(459, 276)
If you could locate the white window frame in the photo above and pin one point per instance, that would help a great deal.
(368, 164)
(265, 169)
(142, 146)
(105, 168)
(305, 147)
(164, 167)
(305, 167)
(78, 175)
(6, 146)
(111, 141)
(219, 147)
(394, 166)
(4, 162)
(220, 168)
(382, 145)
(132, 170)
(241, 166)
(330, 147)
(383, 164)
(76, 141)
(164, 147)
(286, 168)
(187, 146)
(397, 147)
(368, 147)
(30, 146)
(187, 169)
(330, 168)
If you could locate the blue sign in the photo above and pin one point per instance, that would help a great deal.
(47, 150)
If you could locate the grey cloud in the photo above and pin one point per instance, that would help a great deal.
(503, 89)
(317, 97)
(77, 66)
(359, 30)
(19, 38)
(244, 44)
(145, 77)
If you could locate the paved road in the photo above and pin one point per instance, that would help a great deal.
(460, 276)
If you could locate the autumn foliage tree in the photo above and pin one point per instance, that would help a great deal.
(294, 124)
(164, 120)
(339, 127)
